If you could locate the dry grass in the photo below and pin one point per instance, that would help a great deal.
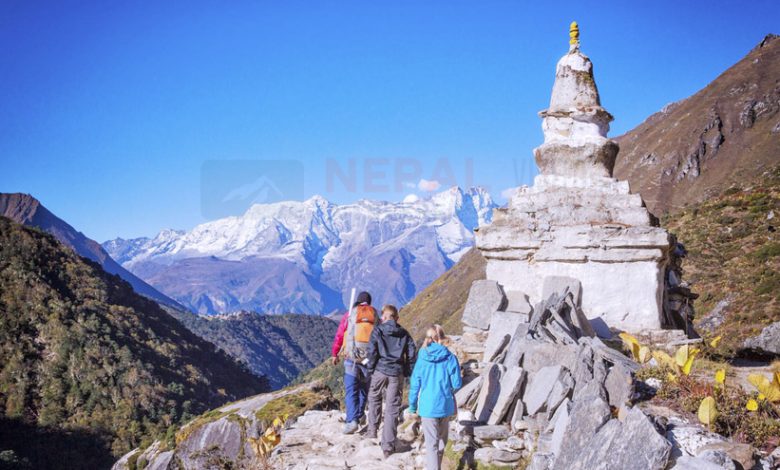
(759, 428)
(734, 256)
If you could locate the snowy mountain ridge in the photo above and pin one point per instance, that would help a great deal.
(314, 246)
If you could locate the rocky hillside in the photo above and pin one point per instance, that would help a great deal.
(304, 257)
(26, 210)
(733, 258)
(81, 354)
(727, 133)
(278, 347)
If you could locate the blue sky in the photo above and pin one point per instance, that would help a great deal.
(128, 117)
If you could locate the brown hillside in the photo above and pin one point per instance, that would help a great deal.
(727, 133)
(442, 302)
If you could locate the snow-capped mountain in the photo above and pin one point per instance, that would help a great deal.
(304, 257)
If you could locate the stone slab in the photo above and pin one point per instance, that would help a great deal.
(619, 385)
(489, 432)
(493, 455)
(510, 386)
(503, 326)
(633, 442)
(485, 297)
(539, 388)
(488, 393)
(560, 284)
(518, 302)
(465, 395)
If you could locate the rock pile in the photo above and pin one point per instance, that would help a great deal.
(545, 389)
(546, 386)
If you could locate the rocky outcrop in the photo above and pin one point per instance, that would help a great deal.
(767, 343)
(223, 438)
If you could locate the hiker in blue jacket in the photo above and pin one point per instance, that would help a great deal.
(435, 379)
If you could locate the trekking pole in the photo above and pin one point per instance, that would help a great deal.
(351, 300)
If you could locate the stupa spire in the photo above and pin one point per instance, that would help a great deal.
(574, 35)
(575, 125)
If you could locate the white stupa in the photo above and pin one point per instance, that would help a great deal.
(577, 220)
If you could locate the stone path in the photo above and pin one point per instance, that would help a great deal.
(315, 441)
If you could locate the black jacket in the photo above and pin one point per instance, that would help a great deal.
(391, 350)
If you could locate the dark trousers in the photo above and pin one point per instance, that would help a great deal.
(391, 389)
(356, 382)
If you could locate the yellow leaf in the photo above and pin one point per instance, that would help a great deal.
(664, 359)
(682, 355)
(707, 411)
(769, 390)
(720, 376)
(752, 405)
(761, 397)
(644, 354)
(671, 377)
(758, 380)
(278, 423)
(686, 368)
(270, 432)
(714, 343)
(631, 344)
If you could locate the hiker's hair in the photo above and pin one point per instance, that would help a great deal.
(435, 334)
(392, 310)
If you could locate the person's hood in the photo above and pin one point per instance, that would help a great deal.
(391, 328)
(435, 352)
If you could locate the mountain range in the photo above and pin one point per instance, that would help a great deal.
(304, 257)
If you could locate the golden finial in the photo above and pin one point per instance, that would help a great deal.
(574, 34)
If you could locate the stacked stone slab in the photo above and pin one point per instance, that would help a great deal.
(577, 220)
(547, 386)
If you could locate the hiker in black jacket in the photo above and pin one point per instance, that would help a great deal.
(391, 355)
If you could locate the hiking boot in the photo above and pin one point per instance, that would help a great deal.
(387, 454)
(370, 435)
(350, 427)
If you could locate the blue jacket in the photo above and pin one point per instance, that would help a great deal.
(434, 380)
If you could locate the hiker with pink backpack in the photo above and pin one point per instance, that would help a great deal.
(351, 342)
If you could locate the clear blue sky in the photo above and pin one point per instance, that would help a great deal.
(110, 110)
